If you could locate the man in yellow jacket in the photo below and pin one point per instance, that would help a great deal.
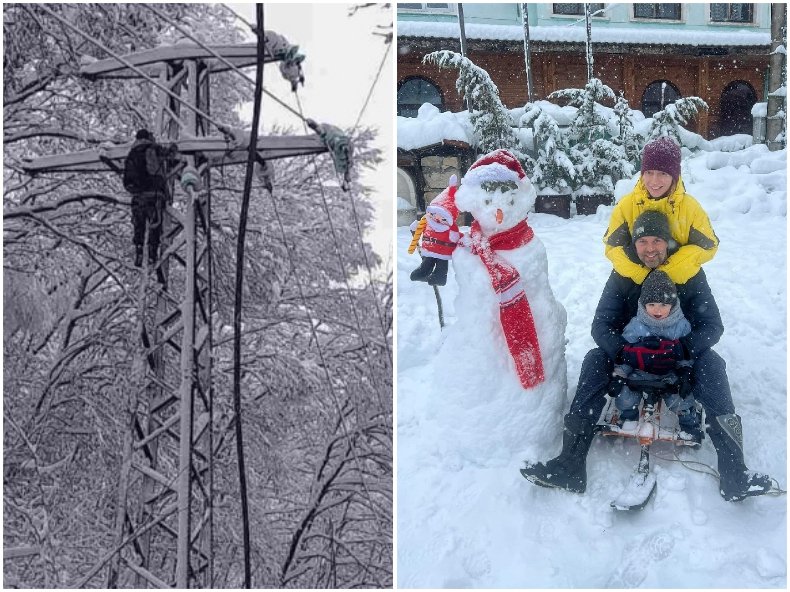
(661, 189)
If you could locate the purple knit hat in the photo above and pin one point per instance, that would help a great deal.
(662, 155)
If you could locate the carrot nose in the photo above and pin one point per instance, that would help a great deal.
(499, 216)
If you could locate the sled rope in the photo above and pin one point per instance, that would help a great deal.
(706, 470)
(776, 490)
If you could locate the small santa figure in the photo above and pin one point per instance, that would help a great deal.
(439, 234)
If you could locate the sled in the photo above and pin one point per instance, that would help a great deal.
(656, 424)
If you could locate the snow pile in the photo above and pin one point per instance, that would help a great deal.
(473, 521)
(431, 126)
(760, 110)
(639, 35)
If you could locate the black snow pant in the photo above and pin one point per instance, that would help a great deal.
(709, 379)
(147, 207)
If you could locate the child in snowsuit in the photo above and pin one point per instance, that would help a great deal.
(659, 317)
(439, 238)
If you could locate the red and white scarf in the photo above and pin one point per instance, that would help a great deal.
(515, 315)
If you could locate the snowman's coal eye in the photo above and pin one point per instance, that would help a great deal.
(488, 202)
(512, 201)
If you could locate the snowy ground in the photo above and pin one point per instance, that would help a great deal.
(481, 525)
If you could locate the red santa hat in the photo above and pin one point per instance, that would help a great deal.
(444, 203)
(499, 165)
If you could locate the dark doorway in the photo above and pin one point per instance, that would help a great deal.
(658, 95)
(735, 108)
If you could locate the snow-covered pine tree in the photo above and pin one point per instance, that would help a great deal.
(669, 120)
(599, 166)
(599, 161)
(492, 123)
(589, 124)
(627, 137)
(554, 171)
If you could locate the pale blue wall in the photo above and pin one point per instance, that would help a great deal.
(694, 16)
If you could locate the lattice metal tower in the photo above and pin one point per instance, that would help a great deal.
(164, 520)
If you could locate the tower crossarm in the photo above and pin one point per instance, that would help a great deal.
(215, 148)
(150, 61)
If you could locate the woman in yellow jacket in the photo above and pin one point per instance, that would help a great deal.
(660, 188)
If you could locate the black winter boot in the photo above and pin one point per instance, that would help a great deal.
(138, 255)
(690, 425)
(423, 271)
(569, 469)
(438, 276)
(736, 482)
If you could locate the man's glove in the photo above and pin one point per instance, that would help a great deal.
(652, 354)
(683, 372)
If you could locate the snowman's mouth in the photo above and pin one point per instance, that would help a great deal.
(499, 216)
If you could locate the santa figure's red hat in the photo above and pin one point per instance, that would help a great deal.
(499, 165)
(444, 203)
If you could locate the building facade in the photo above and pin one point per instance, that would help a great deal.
(652, 53)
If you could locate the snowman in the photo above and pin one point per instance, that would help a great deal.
(500, 368)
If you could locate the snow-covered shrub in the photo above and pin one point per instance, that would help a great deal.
(599, 166)
(491, 121)
(671, 118)
(599, 161)
(554, 170)
(627, 137)
(589, 123)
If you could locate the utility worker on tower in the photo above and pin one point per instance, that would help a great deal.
(145, 177)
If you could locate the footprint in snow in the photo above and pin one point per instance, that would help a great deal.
(476, 565)
(635, 565)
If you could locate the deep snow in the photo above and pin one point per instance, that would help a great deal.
(475, 522)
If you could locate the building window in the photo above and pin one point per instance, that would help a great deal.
(731, 13)
(433, 7)
(413, 92)
(575, 9)
(669, 12)
(658, 95)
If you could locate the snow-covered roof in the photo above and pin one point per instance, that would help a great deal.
(634, 35)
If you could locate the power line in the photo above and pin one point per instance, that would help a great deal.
(372, 86)
(221, 127)
(230, 65)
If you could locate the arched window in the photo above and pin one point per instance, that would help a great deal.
(406, 188)
(658, 95)
(735, 107)
(413, 92)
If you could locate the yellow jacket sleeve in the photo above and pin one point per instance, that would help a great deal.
(698, 241)
(617, 238)
(688, 223)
